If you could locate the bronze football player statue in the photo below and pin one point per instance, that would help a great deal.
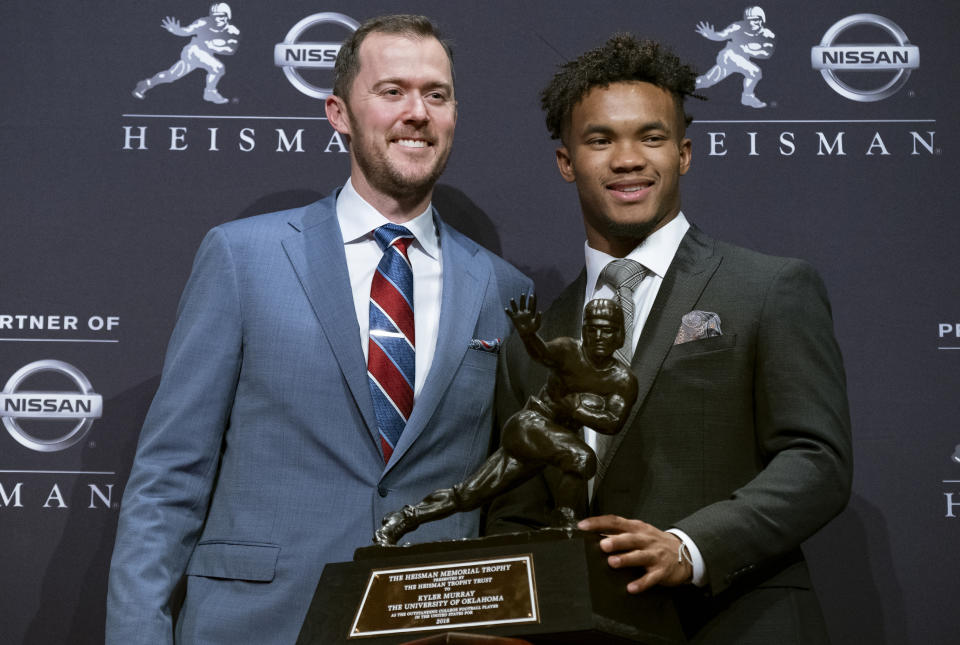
(586, 386)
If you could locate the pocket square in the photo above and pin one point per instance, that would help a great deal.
(696, 325)
(492, 346)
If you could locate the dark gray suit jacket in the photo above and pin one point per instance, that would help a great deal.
(742, 440)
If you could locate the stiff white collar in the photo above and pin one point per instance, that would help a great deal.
(358, 219)
(656, 252)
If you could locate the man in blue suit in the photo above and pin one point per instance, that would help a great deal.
(261, 458)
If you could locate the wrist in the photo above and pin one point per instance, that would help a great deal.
(695, 557)
(685, 560)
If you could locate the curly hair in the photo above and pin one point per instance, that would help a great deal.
(622, 58)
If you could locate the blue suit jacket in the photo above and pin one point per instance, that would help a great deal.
(259, 460)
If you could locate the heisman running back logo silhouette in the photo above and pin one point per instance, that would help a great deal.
(746, 40)
(210, 36)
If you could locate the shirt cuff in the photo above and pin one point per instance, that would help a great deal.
(699, 578)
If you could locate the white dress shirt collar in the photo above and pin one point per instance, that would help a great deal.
(358, 219)
(656, 252)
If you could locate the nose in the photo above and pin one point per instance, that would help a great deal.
(628, 156)
(416, 112)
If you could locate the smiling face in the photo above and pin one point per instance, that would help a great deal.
(624, 148)
(400, 117)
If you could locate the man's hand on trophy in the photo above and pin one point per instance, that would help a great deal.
(525, 317)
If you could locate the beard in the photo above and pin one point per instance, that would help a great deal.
(386, 176)
(635, 231)
(638, 231)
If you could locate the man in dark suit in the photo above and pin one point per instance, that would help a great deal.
(270, 449)
(738, 448)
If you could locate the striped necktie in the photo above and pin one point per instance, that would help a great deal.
(391, 360)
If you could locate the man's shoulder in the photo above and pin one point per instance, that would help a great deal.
(750, 271)
(740, 253)
(502, 268)
(278, 223)
(742, 256)
(764, 264)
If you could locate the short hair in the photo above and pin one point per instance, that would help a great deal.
(347, 65)
(623, 58)
(605, 309)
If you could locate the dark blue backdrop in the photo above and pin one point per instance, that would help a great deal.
(105, 198)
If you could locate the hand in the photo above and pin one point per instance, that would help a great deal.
(705, 29)
(525, 317)
(632, 543)
(171, 24)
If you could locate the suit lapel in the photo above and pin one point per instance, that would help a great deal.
(464, 284)
(320, 263)
(692, 267)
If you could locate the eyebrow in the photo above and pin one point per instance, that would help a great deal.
(404, 82)
(602, 128)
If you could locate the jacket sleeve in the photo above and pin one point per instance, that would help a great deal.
(168, 492)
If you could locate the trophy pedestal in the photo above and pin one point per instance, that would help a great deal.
(549, 586)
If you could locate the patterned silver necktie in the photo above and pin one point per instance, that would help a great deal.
(623, 276)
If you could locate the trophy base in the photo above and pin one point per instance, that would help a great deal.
(548, 586)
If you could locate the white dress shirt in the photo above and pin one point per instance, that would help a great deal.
(655, 253)
(358, 220)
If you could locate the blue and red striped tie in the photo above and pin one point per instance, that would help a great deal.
(391, 360)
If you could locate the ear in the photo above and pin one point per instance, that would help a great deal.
(686, 155)
(336, 110)
(565, 164)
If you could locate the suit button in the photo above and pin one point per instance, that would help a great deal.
(382, 491)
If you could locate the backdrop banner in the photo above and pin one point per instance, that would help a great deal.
(839, 154)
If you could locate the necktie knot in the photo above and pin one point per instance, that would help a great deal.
(623, 274)
(393, 234)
